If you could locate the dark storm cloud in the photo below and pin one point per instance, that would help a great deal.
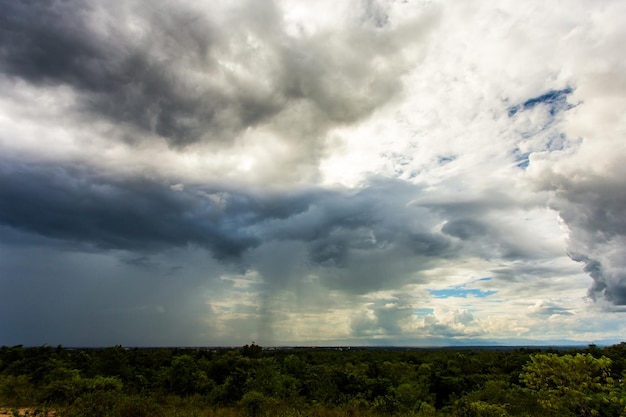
(49, 42)
(593, 210)
(365, 240)
(130, 79)
(352, 239)
(375, 215)
(170, 70)
(76, 205)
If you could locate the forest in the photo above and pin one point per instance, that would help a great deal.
(252, 381)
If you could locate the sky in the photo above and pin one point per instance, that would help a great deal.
(354, 172)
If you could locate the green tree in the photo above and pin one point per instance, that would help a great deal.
(185, 378)
(573, 385)
(252, 351)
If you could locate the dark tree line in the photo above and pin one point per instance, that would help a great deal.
(118, 381)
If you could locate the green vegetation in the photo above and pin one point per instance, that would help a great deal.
(256, 382)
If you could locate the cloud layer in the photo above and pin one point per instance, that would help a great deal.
(365, 173)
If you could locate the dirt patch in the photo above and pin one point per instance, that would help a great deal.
(25, 412)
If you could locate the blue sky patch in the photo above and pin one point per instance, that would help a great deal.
(556, 100)
(461, 291)
(522, 159)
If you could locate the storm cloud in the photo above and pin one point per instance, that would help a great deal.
(187, 73)
(362, 172)
(116, 214)
(340, 229)
(592, 209)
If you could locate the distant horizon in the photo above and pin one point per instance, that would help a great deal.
(468, 345)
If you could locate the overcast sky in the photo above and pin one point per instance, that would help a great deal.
(361, 172)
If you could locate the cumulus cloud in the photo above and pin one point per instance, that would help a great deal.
(385, 318)
(457, 323)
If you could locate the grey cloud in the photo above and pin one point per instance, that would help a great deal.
(609, 276)
(341, 74)
(82, 207)
(486, 226)
(367, 271)
(458, 325)
(362, 325)
(428, 244)
(353, 239)
(375, 13)
(175, 76)
(386, 319)
(465, 229)
(280, 262)
(366, 240)
(141, 261)
(531, 270)
(595, 204)
(135, 79)
(549, 308)
(39, 44)
(459, 206)
(390, 317)
(593, 210)
(378, 215)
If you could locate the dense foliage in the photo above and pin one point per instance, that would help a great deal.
(252, 381)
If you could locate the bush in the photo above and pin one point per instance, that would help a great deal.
(113, 404)
(16, 391)
(256, 404)
(480, 409)
(66, 391)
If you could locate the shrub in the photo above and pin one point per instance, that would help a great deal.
(16, 391)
